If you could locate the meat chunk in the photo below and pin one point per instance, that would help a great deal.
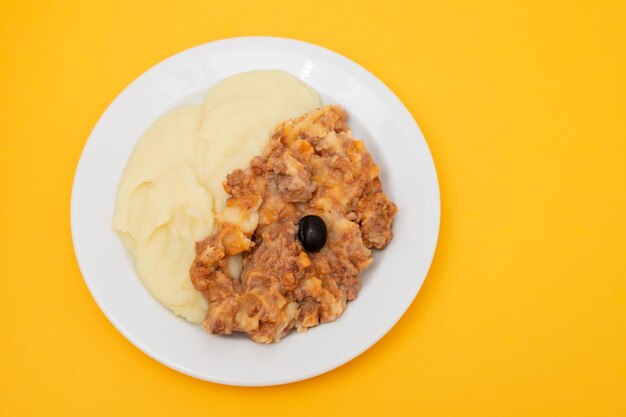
(374, 213)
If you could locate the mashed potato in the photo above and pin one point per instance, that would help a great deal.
(172, 190)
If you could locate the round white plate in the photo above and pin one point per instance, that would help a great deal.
(376, 115)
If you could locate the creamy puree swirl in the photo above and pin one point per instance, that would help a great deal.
(171, 189)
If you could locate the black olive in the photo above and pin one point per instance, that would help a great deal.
(312, 233)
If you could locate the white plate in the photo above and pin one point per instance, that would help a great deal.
(389, 286)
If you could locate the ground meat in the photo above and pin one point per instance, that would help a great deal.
(312, 166)
(374, 213)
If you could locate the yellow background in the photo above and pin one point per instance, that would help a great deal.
(523, 104)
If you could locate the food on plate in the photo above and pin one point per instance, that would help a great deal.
(254, 212)
(171, 189)
(302, 218)
(312, 233)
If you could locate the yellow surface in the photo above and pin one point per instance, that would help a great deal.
(524, 107)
